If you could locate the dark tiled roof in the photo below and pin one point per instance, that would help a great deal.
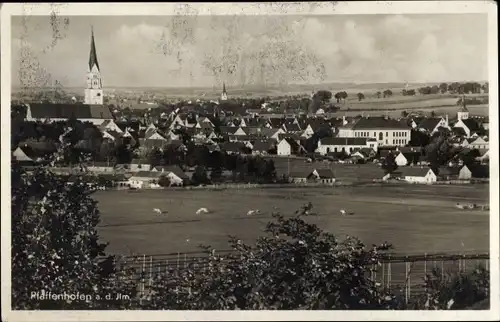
(376, 122)
(79, 111)
(276, 122)
(406, 149)
(289, 135)
(415, 171)
(228, 129)
(233, 146)
(300, 174)
(292, 127)
(174, 169)
(472, 124)
(148, 174)
(343, 141)
(93, 54)
(317, 124)
(429, 123)
(325, 173)
(479, 170)
(262, 146)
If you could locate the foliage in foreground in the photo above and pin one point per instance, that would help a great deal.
(55, 245)
(298, 266)
(55, 248)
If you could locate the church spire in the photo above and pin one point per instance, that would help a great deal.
(93, 55)
(223, 87)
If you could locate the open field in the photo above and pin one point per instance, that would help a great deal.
(416, 219)
(451, 110)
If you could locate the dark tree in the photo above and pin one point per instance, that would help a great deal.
(164, 181)
(323, 95)
(155, 157)
(389, 163)
(443, 87)
(419, 138)
(200, 176)
(361, 96)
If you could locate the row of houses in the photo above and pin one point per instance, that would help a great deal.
(429, 176)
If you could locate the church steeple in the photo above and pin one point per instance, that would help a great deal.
(463, 112)
(223, 96)
(93, 55)
(93, 91)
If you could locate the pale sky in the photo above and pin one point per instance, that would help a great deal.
(203, 51)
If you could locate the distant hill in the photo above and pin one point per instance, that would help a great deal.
(255, 90)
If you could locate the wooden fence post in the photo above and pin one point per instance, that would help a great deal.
(409, 281)
(442, 268)
(406, 282)
(383, 274)
(425, 264)
(143, 274)
(150, 271)
(389, 273)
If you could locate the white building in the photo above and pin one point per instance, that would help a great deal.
(288, 146)
(479, 143)
(419, 175)
(386, 131)
(401, 160)
(347, 145)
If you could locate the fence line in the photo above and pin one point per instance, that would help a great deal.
(401, 274)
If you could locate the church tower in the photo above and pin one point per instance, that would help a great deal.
(93, 91)
(223, 97)
(463, 112)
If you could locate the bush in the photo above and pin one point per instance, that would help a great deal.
(55, 246)
(454, 291)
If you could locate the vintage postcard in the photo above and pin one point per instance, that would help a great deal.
(250, 161)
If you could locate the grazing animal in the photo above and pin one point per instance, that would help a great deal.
(159, 211)
(202, 211)
(253, 212)
(344, 212)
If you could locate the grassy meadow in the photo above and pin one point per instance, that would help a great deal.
(416, 219)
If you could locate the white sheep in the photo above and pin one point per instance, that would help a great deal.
(253, 212)
(202, 211)
(344, 212)
(159, 211)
